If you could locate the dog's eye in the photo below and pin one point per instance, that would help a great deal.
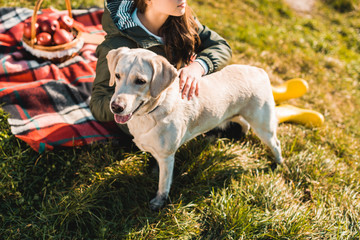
(140, 81)
(117, 75)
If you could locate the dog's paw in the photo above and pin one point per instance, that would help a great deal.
(158, 202)
(279, 160)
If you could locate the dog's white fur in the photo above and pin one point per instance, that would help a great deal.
(147, 98)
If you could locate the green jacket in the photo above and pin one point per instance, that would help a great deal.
(123, 32)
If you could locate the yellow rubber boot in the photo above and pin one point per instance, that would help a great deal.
(289, 113)
(292, 88)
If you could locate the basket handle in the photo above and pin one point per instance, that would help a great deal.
(34, 18)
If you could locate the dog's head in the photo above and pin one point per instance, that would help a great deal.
(139, 75)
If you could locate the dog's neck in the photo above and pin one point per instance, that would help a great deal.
(154, 104)
(171, 91)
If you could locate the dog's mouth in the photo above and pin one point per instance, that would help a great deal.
(122, 119)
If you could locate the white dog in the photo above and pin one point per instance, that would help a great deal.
(147, 98)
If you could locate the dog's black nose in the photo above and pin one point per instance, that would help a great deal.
(116, 108)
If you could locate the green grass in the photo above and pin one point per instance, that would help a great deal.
(222, 189)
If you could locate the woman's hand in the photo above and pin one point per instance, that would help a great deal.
(189, 80)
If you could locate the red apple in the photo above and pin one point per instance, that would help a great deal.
(53, 15)
(49, 25)
(66, 22)
(27, 29)
(62, 36)
(44, 39)
(41, 18)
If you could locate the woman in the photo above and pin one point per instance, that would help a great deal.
(166, 27)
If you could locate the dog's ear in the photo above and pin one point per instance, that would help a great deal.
(113, 57)
(163, 75)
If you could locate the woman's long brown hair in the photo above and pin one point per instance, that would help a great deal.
(180, 35)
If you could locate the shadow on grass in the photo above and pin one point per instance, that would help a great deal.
(208, 164)
(202, 166)
(104, 190)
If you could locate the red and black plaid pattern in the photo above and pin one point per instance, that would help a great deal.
(47, 102)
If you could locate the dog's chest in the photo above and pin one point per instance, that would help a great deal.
(142, 129)
(141, 125)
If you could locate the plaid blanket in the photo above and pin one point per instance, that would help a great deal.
(48, 103)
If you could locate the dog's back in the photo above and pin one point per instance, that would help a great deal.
(235, 90)
(236, 84)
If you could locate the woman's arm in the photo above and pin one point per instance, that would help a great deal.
(102, 92)
(213, 50)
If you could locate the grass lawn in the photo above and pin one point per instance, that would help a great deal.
(222, 188)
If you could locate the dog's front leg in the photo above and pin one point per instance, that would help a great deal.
(166, 167)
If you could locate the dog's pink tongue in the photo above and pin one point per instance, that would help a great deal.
(122, 119)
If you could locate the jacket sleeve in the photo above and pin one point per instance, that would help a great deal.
(101, 91)
(214, 49)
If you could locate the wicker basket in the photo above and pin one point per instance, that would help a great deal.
(58, 53)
